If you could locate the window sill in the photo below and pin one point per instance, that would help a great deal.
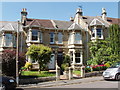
(60, 43)
(52, 43)
(34, 42)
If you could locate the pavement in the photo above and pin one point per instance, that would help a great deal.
(62, 82)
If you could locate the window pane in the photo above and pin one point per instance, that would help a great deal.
(8, 40)
(60, 38)
(77, 60)
(51, 37)
(77, 54)
(99, 33)
(35, 35)
(77, 38)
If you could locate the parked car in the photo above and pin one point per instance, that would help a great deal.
(7, 83)
(112, 72)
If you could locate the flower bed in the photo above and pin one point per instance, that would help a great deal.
(95, 68)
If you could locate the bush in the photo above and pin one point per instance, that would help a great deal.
(9, 62)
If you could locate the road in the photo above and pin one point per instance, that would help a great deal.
(93, 83)
(96, 84)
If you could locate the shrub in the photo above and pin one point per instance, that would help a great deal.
(28, 65)
(9, 62)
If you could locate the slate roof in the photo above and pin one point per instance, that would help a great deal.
(9, 26)
(63, 25)
(113, 20)
(40, 22)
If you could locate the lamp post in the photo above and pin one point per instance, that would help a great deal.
(17, 53)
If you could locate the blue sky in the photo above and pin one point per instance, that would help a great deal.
(56, 10)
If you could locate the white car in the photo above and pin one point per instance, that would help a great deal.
(112, 72)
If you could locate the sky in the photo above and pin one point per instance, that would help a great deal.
(56, 10)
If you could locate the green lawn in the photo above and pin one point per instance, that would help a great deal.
(37, 74)
(76, 72)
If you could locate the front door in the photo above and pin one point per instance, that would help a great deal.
(51, 64)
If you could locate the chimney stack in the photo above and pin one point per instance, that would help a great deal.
(23, 15)
(71, 19)
(104, 14)
(79, 11)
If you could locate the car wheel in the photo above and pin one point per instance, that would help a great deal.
(3, 87)
(117, 77)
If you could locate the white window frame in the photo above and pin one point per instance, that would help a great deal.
(95, 32)
(78, 58)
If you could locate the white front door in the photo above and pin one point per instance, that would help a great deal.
(51, 64)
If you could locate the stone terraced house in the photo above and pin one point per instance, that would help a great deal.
(67, 37)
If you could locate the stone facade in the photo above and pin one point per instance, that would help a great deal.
(65, 37)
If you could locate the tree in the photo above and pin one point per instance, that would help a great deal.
(114, 39)
(9, 62)
(39, 53)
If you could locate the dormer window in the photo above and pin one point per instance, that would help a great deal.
(96, 33)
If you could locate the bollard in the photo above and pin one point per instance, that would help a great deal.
(82, 71)
(70, 73)
(57, 73)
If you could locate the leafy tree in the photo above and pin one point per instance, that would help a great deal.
(9, 62)
(114, 39)
(39, 53)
